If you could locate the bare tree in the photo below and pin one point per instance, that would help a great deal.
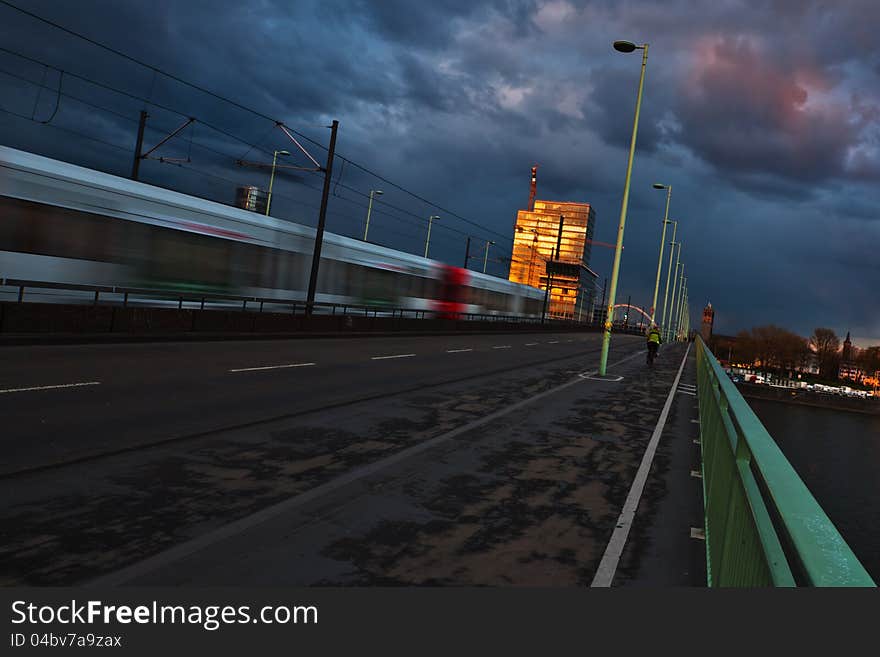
(826, 344)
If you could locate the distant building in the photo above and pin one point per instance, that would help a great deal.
(251, 198)
(708, 320)
(848, 368)
(535, 261)
(847, 354)
(809, 364)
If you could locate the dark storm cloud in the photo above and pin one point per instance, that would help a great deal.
(762, 114)
(428, 24)
(743, 113)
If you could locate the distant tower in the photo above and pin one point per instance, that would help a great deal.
(533, 187)
(708, 319)
(847, 349)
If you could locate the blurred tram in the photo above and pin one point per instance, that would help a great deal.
(62, 223)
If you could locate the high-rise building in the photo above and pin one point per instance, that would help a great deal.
(543, 255)
(708, 320)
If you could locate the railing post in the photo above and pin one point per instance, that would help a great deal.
(20, 293)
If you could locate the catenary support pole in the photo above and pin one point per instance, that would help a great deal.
(322, 220)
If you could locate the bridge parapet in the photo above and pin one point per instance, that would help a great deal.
(763, 527)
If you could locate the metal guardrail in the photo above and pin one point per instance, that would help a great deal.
(763, 527)
(296, 305)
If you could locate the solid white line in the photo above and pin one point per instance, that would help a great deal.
(687, 392)
(613, 551)
(271, 367)
(61, 385)
(397, 356)
(457, 351)
(504, 346)
(183, 550)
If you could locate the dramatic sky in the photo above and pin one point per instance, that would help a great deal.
(762, 115)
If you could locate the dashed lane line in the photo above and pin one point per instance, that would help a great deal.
(457, 351)
(503, 346)
(53, 387)
(271, 367)
(390, 357)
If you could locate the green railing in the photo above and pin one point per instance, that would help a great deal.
(763, 527)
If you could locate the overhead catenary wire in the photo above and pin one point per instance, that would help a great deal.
(192, 142)
(255, 112)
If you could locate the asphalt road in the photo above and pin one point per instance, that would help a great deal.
(483, 459)
(125, 395)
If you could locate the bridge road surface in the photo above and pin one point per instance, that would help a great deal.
(164, 444)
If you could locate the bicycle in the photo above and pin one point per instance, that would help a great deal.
(652, 353)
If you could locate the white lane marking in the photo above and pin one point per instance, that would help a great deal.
(397, 356)
(60, 385)
(531, 344)
(271, 367)
(553, 342)
(504, 346)
(457, 351)
(610, 378)
(686, 392)
(613, 551)
(183, 550)
(569, 340)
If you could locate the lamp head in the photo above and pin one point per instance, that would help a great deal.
(659, 186)
(624, 46)
(378, 192)
(282, 152)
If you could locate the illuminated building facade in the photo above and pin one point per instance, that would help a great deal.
(708, 321)
(536, 263)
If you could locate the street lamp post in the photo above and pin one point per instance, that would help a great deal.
(486, 255)
(683, 311)
(674, 275)
(676, 290)
(668, 276)
(626, 47)
(680, 307)
(428, 238)
(272, 178)
(376, 192)
(668, 189)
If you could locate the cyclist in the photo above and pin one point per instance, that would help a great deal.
(653, 342)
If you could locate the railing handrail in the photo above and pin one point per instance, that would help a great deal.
(195, 297)
(794, 532)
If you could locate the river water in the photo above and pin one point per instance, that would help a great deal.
(837, 454)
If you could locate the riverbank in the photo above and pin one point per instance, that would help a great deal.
(809, 398)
